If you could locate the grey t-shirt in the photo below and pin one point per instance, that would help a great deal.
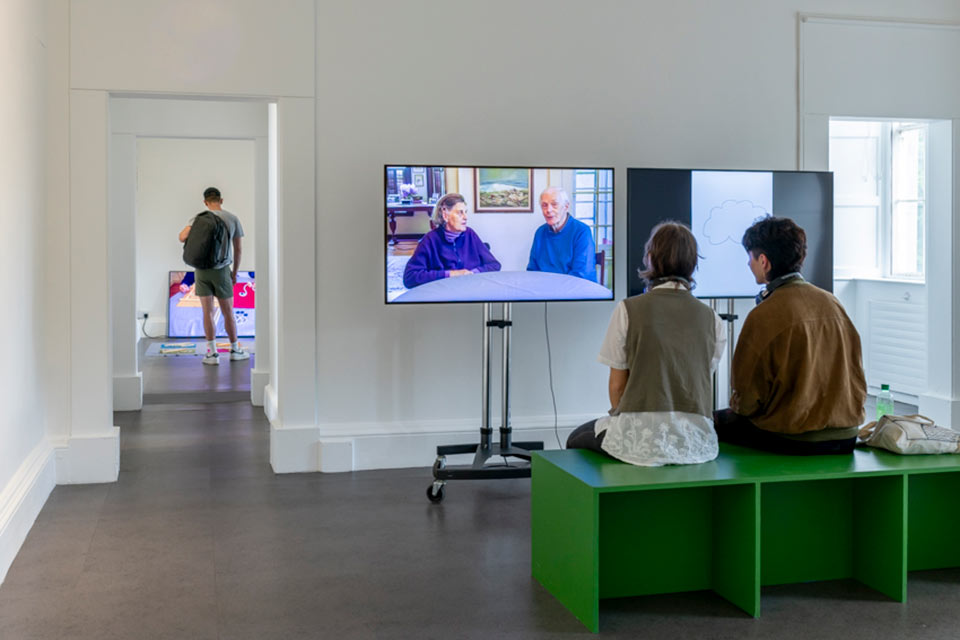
(234, 229)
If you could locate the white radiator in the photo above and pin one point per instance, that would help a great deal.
(896, 347)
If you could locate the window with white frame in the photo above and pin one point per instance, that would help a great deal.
(879, 198)
(593, 205)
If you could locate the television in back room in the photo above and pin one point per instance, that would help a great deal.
(185, 318)
(719, 206)
(497, 234)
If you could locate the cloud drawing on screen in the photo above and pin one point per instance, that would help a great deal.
(727, 222)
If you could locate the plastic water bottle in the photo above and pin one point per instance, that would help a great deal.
(884, 401)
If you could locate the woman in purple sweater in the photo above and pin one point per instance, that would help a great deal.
(450, 249)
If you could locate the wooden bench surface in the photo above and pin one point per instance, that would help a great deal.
(739, 465)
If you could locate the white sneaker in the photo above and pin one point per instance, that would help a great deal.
(211, 358)
(240, 354)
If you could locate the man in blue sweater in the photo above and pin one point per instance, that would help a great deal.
(563, 244)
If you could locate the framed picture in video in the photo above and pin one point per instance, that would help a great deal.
(502, 190)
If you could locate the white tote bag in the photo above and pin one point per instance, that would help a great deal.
(909, 435)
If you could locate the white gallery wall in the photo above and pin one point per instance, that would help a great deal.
(899, 70)
(171, 176)
(691, 83)
(27, 472)
(642, 84)
(355, 385)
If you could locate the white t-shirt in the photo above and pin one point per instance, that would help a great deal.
(655, 438)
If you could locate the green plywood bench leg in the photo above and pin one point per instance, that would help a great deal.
(736, 545)
(656, 541)
(880, 534)
(933, 518)
(806, 531)
(564, 521)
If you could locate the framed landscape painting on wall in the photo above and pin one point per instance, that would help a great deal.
(502, 190)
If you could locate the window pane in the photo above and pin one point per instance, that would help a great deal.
(855, 163)
(907, 239)
(855, 238)
(585, 180)
(584, 211)
(908, 192)
(908, 164)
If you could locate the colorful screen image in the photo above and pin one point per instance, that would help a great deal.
(497, 234)
(184, 314)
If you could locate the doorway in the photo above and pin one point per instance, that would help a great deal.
(164, 153)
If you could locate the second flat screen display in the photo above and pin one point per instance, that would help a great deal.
(719, 206)
(497, 234)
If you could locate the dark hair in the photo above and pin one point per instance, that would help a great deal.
(670, 251)
(448, 201)
(781, 240)
(211, 194)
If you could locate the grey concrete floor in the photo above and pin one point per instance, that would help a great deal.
(199, 539)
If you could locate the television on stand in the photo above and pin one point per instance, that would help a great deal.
(456, 234)
(719, 205)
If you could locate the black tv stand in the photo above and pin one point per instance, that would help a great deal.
(486, 449)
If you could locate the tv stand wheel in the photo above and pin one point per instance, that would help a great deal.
(435, 492)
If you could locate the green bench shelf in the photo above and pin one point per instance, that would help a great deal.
(605, 529)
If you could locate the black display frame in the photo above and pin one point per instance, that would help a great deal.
(613, 203)
(636, 236)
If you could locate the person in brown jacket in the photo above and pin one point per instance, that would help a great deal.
(797, 373)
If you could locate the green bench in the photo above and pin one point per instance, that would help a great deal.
(605, 529)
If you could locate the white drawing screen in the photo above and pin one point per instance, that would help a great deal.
(723, 205)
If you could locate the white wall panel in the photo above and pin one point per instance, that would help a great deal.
(238, 47)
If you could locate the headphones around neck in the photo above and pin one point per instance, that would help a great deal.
(776, 283)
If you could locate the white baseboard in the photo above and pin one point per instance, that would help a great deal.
(258, 385)
(270, 405)
(420, 450)
(89, 459)
(356, 446)
(21, 501)
(294, 449)
(944, 411)
(360, 446)
(336, 455)
(128, 392)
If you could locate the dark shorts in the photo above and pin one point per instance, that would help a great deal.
(736, 429)
(214, 282)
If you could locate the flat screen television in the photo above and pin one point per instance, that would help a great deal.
(185, 318)
(719, 206)
(497, 234)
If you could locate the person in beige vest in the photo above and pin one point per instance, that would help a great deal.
(797, 373)
(661, 347)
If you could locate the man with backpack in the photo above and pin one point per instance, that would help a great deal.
(211, 244)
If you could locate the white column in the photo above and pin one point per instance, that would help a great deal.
(955, 275)
(127, 378)
(260, 375)
(294, 433)
(92, 450)
(942, 399)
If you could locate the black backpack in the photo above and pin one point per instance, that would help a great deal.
(207, 242)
